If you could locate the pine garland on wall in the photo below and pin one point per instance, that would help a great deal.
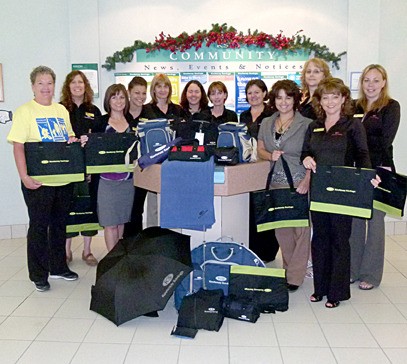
(226, 37)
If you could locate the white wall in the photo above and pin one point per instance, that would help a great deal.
(141, 20)
(60, 32)
(393, 56)
(32, 33)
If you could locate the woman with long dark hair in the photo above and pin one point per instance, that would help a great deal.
(281, 136)
(77, 97)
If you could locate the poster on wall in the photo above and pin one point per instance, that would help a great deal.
(354, 80)
(125, 78)
(241, 80)
(91, 72)
(202, 77)
(228, 79)
(1, 83)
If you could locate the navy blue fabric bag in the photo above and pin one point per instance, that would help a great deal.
(158, 155)
(187, 195)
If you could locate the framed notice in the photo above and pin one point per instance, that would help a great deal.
(91, 72)
(354, 80)
(1, 83)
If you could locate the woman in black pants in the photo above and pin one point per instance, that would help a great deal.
(334, 139)
(264, 244)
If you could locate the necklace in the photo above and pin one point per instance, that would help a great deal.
(282, 126)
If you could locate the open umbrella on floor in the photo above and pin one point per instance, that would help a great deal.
(140, 274)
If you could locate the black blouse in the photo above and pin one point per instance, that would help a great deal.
(344, 144)
(381, 127)
(305, 108)
(253, 126)
(227, 115)
(152, 111)
(83, 118)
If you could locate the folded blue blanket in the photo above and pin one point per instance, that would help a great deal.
(187, 192)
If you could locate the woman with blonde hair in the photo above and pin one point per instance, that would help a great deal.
(161, 105)
(314, 71)
(380, 116)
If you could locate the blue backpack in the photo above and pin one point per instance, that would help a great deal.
(232, 134)
(153, 134)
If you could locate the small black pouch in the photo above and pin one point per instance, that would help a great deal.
(240, 308)
(228, 156)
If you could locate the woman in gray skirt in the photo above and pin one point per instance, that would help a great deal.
(116, 190)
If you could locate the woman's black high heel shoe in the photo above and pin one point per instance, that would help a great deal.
(332, 304)
(315, 298)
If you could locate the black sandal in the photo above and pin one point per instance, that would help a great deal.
(332, 304)
(315, 298)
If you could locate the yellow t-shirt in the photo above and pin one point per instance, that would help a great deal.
(33, 122)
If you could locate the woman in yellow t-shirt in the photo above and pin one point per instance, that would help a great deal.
(42, 120)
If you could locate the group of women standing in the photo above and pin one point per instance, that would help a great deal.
(321, 130)
(119, 204)
(314, 126)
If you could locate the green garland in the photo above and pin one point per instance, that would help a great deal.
(227, 37)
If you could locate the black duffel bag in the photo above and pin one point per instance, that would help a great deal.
(189, 153)
(242, 309)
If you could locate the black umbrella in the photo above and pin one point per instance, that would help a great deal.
(140, 274)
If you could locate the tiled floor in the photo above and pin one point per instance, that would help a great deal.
(58, 327)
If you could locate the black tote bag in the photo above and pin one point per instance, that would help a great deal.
(106, 152)
(390, 195)
(342, 190)
(82, 214)
(282, 207)
(266, 287)
(55, 162)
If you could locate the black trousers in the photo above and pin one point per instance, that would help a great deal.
(330, 251)
(263, 244)
(47, 211)
(135, 225)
